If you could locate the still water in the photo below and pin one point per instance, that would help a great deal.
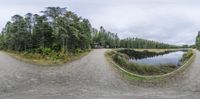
(172, 58)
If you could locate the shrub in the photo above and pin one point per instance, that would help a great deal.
(186, 56)
(46, 51)
(78, 50)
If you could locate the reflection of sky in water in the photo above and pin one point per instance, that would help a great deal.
(170, 58)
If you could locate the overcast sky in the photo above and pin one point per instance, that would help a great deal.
(169, 21)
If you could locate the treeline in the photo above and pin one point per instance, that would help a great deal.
(197, 43)
(142, 43)
(57, 29)
(60, 30)
(106, 39)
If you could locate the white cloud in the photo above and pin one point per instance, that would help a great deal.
(170, 21)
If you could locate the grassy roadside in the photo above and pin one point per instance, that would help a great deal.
(157, 78)
(38, 60)
(157, 50)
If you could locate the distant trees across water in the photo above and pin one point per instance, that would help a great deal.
(198, 41)
(63, 31)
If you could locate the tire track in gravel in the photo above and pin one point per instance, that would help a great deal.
(91, 77)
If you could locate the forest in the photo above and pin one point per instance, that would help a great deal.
(60, 30)
(197, 43)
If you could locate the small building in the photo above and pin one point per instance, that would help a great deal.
(97, 45)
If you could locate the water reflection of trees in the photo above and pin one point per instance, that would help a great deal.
(143, 54)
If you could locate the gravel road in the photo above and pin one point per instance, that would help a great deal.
(88, 78)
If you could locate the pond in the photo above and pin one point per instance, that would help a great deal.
(152, 58)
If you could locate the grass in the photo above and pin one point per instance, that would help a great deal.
(149, 78)
(50, 59)
(141, 69)
(186, 56)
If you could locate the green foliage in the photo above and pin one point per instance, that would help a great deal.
(78, 50)
(186, 56)
(143, 44)
(105, 39)
(1, 42)
(197, 43)
(42, 33)
(48, 54)
(62, 31)
(57, 29)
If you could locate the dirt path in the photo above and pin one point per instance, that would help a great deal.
(88, 78)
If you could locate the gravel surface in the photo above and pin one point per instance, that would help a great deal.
(88, 78)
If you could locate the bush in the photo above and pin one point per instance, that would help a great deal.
(49, 54)
(78, 50)
(46, 51)
(186, 56)
(120, 60)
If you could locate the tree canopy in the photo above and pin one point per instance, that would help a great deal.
(198, 41)
(63, 31)
(56, 28)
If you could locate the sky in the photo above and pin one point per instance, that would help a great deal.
(169, 21)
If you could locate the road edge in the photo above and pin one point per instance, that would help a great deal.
(37, 62)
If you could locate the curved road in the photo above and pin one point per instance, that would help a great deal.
(88, 78)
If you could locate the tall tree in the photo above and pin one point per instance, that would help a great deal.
(42, 33)
(198, 41)
(64, 31)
